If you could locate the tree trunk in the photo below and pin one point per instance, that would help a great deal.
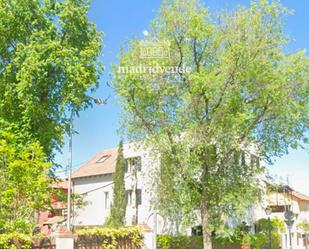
(207, 244)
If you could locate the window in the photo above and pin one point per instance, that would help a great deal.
(254, 161)
(106, 200)
(57, 212)
(243, 158)
(138, 197)
(136, 162)
(236, 155)
(133, 163)
(103, 158)
(129, 197)
(126, 166)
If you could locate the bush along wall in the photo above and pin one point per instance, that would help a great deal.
(179, 242)
(240, 236)
(15, 240)
(111, 238)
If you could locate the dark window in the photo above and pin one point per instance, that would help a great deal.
(236, 155)
(136, 162)
(106, 200)
(197, 230)
(138, 197)
(126, 165)
(57, 212)
(254, 161)
(133, 163)
(243, 158)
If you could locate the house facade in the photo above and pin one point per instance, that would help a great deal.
(280, 202)
(56, 213)
(94, 182)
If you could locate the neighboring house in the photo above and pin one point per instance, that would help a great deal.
(280, 201)
(94, 182)
(57, 210)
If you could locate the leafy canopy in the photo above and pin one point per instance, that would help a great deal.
(243, 94)
(25, 186)
(49, 59)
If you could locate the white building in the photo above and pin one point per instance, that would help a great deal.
(94, 181)
(279, 202)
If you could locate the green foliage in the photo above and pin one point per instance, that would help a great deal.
(191, 242)
(179, 242)
(304, 225)
(25, 186)
(240, 235)
(48, 61)
(110, 236)
(244, 93)
(15, 241)
(261, 238)
(118, 208)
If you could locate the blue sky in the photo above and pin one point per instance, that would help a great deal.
(120, 20)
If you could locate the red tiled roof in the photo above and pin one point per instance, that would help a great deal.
(60, 183)
(59, 205)
(54, 220)
(300, 196)
(94, 168)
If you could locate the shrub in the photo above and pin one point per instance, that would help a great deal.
(111, 236)
(179, 242)
(15, 241)
(261, 238)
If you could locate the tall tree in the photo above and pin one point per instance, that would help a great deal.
(24, 184)
(243, 94)
(118, 208)
(49, 59)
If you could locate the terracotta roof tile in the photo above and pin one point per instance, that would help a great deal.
(300, 196)
(54, 220)
(60, 183)
(102, 163)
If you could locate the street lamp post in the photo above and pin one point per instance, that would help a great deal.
(70, 173)
(69, 204)
(289, 221)
(268, 211)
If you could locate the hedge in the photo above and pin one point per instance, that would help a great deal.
(111, 236)
(15, 241)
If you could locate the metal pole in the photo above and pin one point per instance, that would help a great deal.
(69, 211)
(155, 230)
(269, 233)
(290, 236)
(70, 173)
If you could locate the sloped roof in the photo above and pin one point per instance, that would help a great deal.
(300, 196)
(59, 205)
(54, 220)
(60, 183)
(289, 190)
(98, 165)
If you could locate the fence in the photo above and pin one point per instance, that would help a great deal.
(95, 242)
(66, 240)
(44, 243)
